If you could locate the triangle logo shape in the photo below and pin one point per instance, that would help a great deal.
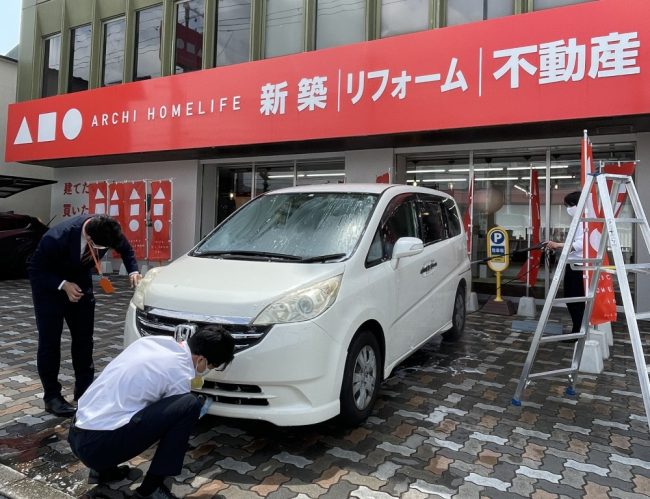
(99, 194)
(23, 136)
(134, 194)
(160, 194)
(115, 197)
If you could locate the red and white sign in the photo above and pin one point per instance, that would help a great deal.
(161, 219)
(604, 307)
(97, 198)
(529, 270)
(580, 61)
(133, 220)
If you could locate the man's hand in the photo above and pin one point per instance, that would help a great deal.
(73, 291)
(552, 245)
(135, 279)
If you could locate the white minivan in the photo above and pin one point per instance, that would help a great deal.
(325, 288)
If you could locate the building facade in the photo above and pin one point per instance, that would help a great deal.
(233, 98)
(35, 201)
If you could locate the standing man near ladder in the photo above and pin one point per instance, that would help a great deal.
(62, 288)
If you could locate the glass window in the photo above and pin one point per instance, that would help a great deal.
(272, 176)
(453, 217)
(113, 56)
(339, 22)
(233, 32)
(285, 22)
(403, 16)
(400, 222)
(320, 171)
(432, 219)
(465, 11)
(547, 4)
(51, 65)
(80, 41)
(189, 36)
(147, 42)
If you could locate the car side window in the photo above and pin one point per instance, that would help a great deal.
(434, 228)
(453, 217)
(399, 220)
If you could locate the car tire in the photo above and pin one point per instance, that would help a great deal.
(361, 379)
(458, 317)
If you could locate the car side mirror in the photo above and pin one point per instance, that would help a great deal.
(405, 247)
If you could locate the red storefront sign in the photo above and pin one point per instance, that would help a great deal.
(161, 219)
(581, 61)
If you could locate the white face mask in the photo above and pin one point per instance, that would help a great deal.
(571, 210)
(204, 373)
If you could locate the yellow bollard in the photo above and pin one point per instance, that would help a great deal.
(498, 298)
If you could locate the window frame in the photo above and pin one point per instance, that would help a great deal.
(46, 53)
(396, 202)
(102, 74)
(136, 38)
(71, 52)
(203, 35)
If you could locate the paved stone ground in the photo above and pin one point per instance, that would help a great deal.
(443, 426)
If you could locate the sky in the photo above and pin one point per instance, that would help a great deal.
(9, 24)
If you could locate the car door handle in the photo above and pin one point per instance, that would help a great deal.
(428, 267)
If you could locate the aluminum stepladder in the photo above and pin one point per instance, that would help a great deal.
(595, 265)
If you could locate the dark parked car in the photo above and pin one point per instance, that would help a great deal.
(19, 236)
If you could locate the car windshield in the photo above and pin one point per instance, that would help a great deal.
(293, 226)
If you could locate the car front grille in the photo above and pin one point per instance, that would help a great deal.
(235, 394)
(150, 323)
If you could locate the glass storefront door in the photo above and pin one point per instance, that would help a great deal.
(501, 197)
(238, 183)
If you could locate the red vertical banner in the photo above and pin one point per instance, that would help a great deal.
(134, 223)
(116, 202)
(604, 308)
(528, 272)
(161, 219)
(97, 198)
(467, 218)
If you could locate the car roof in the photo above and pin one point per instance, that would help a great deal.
(394, 189)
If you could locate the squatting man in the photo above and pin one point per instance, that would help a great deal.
(142, 397)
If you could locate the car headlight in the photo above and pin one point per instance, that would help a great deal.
(301, 305)
(141, 289)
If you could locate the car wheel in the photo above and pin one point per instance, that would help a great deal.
(457, 317)
(360, 379)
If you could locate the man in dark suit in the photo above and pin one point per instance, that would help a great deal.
(62, 288)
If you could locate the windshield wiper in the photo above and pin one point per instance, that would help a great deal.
(245, 255)
(323, 258)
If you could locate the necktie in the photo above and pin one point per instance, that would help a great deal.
(87, 257)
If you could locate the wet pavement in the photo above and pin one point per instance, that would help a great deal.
(443, 426)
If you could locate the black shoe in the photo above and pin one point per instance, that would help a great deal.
(59, 407)
(112, 475)
(161, 492)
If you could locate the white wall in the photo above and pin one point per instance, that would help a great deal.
(185, 199)
(366, 165)
(36, 201)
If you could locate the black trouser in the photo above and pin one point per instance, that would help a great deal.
(51, 308)
(168, 422)
(574, 286)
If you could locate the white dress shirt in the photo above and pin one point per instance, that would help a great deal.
(578, 241)
(151, 368)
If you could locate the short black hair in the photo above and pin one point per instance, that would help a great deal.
(214, 343)
(104, 231)
(572, 198)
